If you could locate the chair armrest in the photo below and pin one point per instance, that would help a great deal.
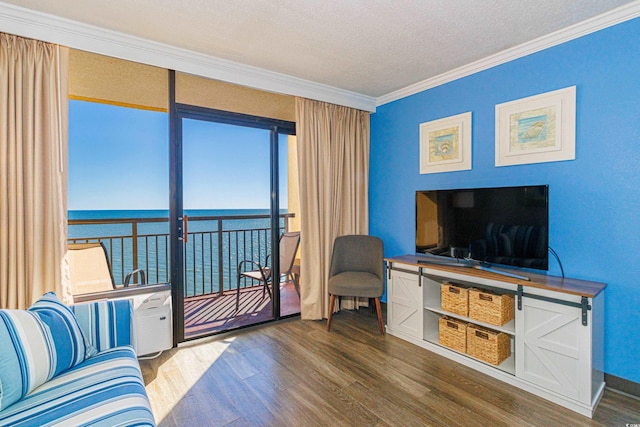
(143, 277)
(106, 324)
(250, 262)
(257, 267)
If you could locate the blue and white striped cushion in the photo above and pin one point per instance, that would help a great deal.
(106, 324)
(69, 342)
(27, 355)
(105, 390)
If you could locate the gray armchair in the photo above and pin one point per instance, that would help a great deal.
(357, 270)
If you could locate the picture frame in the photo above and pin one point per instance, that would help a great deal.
(445, 144)
(537, 129)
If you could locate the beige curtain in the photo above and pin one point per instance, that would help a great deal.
(333, 161)
(33, 156)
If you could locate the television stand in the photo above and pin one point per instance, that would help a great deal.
(556, 336)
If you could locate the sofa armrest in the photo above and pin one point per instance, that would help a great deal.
(106, 324)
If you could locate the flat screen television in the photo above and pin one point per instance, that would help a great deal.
(505, 225)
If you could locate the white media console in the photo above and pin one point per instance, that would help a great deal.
(557, 336)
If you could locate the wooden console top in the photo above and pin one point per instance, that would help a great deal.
(552, 283)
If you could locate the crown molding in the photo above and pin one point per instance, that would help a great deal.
(37, 25)
(607, 19)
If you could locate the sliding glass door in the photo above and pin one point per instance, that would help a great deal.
(228, 206)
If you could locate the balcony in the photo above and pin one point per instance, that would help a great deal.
(213, 248)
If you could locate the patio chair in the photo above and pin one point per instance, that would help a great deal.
(90, 272)
(357, 270)
(253, 270)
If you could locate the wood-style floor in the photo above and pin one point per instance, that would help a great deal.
(294, 373)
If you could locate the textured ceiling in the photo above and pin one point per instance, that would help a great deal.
(372, 47)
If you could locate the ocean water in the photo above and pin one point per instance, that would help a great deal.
(212, 252)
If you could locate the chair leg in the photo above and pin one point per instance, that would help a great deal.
(265, 287)
(238, 293)
(332, 301)
(296, 285)
(379, 312)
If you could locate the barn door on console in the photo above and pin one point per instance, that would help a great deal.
(553, 348)
(405, 308)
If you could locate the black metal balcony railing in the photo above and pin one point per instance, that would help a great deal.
(214, 246)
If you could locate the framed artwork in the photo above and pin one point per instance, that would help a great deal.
(445, 144)
(537, 129)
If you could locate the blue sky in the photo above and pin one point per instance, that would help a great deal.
(119, 159)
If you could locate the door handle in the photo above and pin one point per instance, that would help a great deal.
(185, 223)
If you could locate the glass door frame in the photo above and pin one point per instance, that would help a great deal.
(179, 112)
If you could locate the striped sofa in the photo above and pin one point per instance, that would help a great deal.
(71, 366)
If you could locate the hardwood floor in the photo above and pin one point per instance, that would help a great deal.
(294, 373)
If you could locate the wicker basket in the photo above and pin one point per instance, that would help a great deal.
(454, 299)
(487, 345)
(490, 308)
(452, 333)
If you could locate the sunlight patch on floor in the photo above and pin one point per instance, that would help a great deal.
(180, 370)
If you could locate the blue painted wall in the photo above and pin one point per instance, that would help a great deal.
(594, 218)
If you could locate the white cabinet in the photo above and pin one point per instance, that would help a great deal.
(556, 336)
(404, 307)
